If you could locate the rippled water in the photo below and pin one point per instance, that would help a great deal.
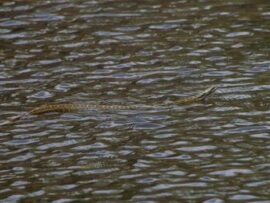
(141, 52)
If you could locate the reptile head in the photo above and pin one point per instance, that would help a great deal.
(207, 92)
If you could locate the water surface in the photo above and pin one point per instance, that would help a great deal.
(143, 53)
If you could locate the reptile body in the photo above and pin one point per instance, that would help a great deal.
(70, 107)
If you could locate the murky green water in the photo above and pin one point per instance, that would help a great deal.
(141, 52)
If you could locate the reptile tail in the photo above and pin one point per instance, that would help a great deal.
(17, 117)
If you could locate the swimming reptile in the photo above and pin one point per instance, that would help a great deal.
(70, 107)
